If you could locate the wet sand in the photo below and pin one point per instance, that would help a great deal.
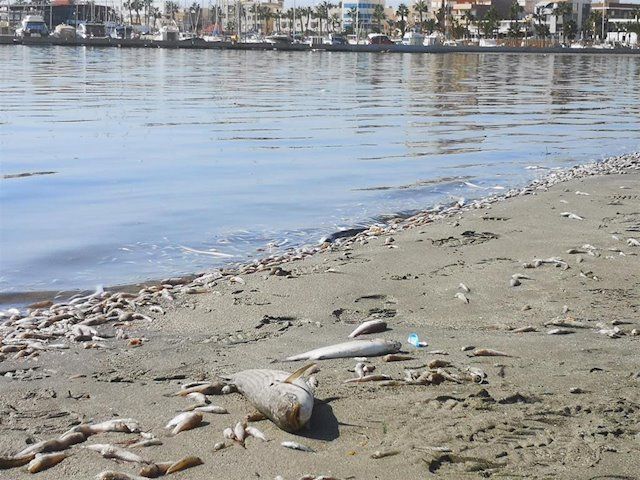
(561, 406)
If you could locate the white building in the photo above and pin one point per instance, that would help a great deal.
(362, 10)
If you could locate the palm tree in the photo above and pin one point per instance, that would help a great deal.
(335, 21)
(352, 13)
(379, 16)
(127, 5)
(308, 12)
(469, 18)
(137, 6)
(402, 12)
(170, 8)
(421, 7)
(562, 10)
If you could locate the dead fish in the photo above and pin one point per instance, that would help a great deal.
(219, 446)
(176, 420)
(211, 409)
(146, 442)
(190, 421)
(208, 388)
(228, 433)
(632, 242)
(368, 378)
(184, 463)
(199, 398)
(239, 432)
(254, 432)
(464, 288)
(297, 446)
(560, 331)
(572, 216)
(393, 357)
(525, 329)
(43, 461)
(154, 470)
(123, 425)
(578, 192)
(487, 352)
(354, 348)
(284, 398)
(360, 369)
(372, 326)
(514, 282)
(381, 454)
(54, 445)
(111, 451)
(462, 297)
(111, 475)
(14, 462)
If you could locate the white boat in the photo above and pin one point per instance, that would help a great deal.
(413, 38)
(91, 30)
(434, 39)
(278, 39)
(488, 42)
(168, 31)
(65, 32)
(32, 26)
(213, 38)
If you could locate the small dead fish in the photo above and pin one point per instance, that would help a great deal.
(462, 297)
(111, 451)
(354, 348)
(237, 280)
(43, 461)
(525, 329)
(154, 470)
(146, 442)
(632, 242)
(578, 192)
(198, 397)
(360, 369)
(572, 216)
(191, 421)
(381, 454)
(394, 357)
(371, 326)
(14, 462)
(219, 446)
(239, 432)
(254, 432)
(464, 288)
(111, 475)
(176, 420)
(211, 409)
(297, 446)
(514, 282)
(438, 363)
(560, 331)
(228, 433)
(368, 378)
(184, 463)
(487, 352)
(123, 425)
(204, 388)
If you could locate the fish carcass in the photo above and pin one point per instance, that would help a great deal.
(354, 348)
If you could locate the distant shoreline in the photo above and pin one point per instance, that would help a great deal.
(202, 45)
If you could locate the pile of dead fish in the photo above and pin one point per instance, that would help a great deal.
(49, 453)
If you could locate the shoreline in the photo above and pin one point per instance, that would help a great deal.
(333, 240)
(202, 45)
(561, 402)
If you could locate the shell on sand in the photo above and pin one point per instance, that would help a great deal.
(354, 348)
(288, 404)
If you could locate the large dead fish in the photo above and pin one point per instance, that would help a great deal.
(354, 348)
(282, 397)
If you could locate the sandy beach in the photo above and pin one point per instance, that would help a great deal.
(561, 258)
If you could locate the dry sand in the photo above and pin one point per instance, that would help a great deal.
(525, 422)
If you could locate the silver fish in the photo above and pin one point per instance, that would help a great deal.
(371, 326)
(355, 348)
(297, 446)
(282, 397)
(111, 451)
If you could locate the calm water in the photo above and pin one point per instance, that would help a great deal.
(231, 151)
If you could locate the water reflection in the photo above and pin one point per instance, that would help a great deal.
(235, 151)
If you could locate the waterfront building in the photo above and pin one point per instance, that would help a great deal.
(557, 22)
(360, 11)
